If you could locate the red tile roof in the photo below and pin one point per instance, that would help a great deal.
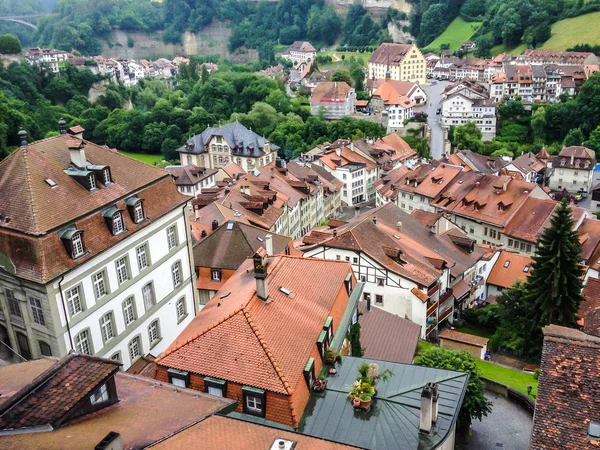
(391, 54)
(427, 218)
(591, 295)
(16, 376)
(567, 397)
(241, 338)
(464, 338)
(225, 433)
(531, 219)
(330, 91)
(53, 394)
(510, 268)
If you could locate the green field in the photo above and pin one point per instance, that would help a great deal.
(577, 30)
(148, 159)
(496, 50)
(457, 32)
(347, 55)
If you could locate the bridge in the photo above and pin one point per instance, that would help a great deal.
(27, 20)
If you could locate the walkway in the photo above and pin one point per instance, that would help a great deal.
(508, 427)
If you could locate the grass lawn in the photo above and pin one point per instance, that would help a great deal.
(364, 56)
(516, 379)
(148, 159)
(576, 30)
(497, 49)
(457, 32)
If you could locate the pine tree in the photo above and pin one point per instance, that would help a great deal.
(554, 286)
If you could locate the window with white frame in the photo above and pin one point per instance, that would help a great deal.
(13, 303)
(142, 258)
(135, 348)
(176, 272)
(154, 332)
(379, 300)
(138, 212)
(121, 266)
(92, 181)
(180, 308)
(129, 314)
(74, 300)
(100, 396)
(36, 311)
(380, 281)
(215, 274)
(82, 343)
(106, 176)
(171, 237)
(118, 226)
(106, 327)
(254, 404)
(99, 285)
(148, 296)
(77, 245)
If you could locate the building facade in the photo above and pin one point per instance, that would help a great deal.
(402, 62)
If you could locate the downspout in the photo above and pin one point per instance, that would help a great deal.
(189, 252)
(62, 299)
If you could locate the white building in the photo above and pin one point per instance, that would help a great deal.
(407, 270)
(573, 170)
(190, 179)
(458, 109)
(332, 99)
(300, 51)
(95, 253)
(47, 58)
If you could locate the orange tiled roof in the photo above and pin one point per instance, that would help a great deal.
(332, 160)
(425, 217)
(510, 268)
(240, 338)
(591, 295)
(531, 219)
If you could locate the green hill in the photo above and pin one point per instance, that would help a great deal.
(577, 30)
(457, 32)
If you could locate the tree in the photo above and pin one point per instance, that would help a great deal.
(204, 76)
(594, 141)
(9, 44)
(433, 23)
(467, 137)
(554, 286)
(475, 405)
(513, 333)
(342, 75)
(574, 137)
(538, 125)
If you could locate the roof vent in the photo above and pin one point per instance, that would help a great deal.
(23, 138)
(282, 444)
(50, 183)
(286, 291)
(112, 441)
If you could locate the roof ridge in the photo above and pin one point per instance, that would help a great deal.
(195, 336)
(268, 353)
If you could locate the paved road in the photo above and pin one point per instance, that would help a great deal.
(434, 93)
(508, 427)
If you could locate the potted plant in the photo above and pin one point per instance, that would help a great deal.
(338, 357)
(320, 384)
(330, 358)
(365, 400)
(356, 402)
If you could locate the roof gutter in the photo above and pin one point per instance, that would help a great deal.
(62, 300)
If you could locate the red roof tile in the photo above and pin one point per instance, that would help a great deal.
(591, 295)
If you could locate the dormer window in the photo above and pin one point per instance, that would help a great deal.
(115, 220)
(136, 209)
(73, 242)
(92, 181)
(106, 177)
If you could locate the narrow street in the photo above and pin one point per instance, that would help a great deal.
(434, 93)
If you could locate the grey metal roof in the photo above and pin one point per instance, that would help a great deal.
(243, 142)
(393, 419)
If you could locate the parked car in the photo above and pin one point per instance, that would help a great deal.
(582, 192)
(578, 198)
(439, 111)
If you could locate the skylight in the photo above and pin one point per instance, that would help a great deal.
(526, 269)
(286, 291)
(396, 236)
(260, 239)
(50, 183)
(506, 264)
(229, 226)
(594, 430)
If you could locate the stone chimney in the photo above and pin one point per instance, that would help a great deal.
(77, 152)
(426, 409)
(591, 322)
(269, 244)
(399, 225)
(434, 402)
(23, 138)
(62, 126)
(214, 225)
(260, 275)
(112, 441)
(196, 214)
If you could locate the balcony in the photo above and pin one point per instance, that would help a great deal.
(433, 290)
(431, 309)
(432, 326)
(445, 314)
(446, 295)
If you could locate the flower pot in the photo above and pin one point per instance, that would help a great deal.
(356, 402)
(330, 361)
(365, 404)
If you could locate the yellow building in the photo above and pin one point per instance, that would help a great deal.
(403, 62)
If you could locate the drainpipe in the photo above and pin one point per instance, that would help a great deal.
(62, 299)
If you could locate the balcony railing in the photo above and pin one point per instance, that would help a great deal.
(430, 328)
(444, 314)
(446, 295)
(432, 309)
(433, 290)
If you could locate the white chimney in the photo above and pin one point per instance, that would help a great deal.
(260, 275)
(434, 403)
(338, 151)
(77, 152)
(269, 244)
(426, 410)
(197, 213)
(399, 225)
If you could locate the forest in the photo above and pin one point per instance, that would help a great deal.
(162, 118)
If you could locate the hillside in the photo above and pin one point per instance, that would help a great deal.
(577, 30)
(457, 32)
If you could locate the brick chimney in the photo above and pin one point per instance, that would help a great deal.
(591, 322)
